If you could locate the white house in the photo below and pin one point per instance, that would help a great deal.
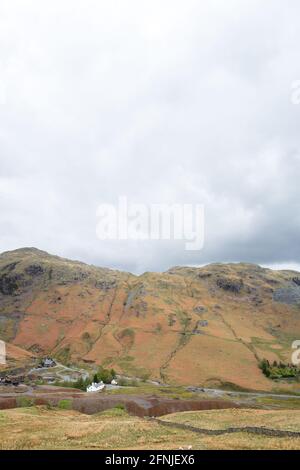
(94, 387)
(114, 382)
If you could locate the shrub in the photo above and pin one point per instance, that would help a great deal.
(120, 406)
(144, 377)
(24, 402)
(105, 375)
(86, 336)
(65, 404)
(279, 371)
(81, 383)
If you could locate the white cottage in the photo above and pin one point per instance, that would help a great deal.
(96, 387)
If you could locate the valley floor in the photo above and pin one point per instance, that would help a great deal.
(43, 428)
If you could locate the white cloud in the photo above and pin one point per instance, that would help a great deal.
(161, 101)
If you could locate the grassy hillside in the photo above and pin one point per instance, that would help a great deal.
(194, 326)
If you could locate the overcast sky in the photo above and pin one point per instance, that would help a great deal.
(162, 101)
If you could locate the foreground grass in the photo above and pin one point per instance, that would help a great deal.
(216, 419)
(288, 420)
(42, 428)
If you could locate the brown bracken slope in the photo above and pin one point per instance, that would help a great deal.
(205, 326)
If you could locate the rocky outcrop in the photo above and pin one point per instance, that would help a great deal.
(287, 295)
(231, 285)
(34, 270)
(10, 283)
(200, 309)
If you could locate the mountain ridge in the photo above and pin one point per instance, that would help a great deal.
(188, 325)
(38, 251)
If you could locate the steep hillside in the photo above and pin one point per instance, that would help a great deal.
(195, 326)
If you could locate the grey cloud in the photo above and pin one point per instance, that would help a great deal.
(160, 101)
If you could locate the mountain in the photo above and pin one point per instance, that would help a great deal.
(205, 326)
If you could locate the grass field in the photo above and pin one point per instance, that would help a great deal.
(115, 429)
(288, 420)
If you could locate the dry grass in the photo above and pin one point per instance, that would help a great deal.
(215, 419)
(244, 441)
(41, 428)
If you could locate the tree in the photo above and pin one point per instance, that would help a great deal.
(265, 367)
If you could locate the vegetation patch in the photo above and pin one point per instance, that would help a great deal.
(279, 370)
(129, 332)
(120, 406)
(86, 337)
(24, 402)
(104, 375)
(128, 382)
(115, 412)
(288, 404)
(65, 404)
(7, 328)
(128, 358)
(81, 384)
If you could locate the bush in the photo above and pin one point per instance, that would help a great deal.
(144, 377)
(120, 406)
(279, 371)
(105, 375)
(265, 367)
(65, 404)
(81, 383)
